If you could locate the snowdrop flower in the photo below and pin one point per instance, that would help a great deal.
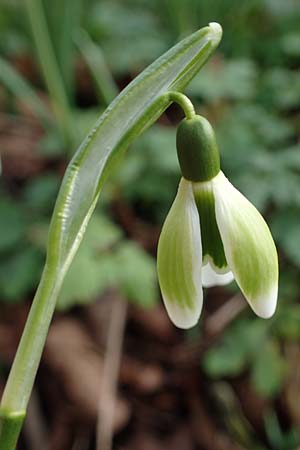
(212, 235)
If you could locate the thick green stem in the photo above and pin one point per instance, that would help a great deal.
(21, 378)
(10, 427)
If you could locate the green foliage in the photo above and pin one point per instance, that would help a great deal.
(20, 263)
(151, 159)
(107, 88)
(105, 260)
(140, 31)
(287, 324)
(12, 224)
(279, 439)
(238, 347)
(14, 37)
(268, 370)
(40, 193)
(233, 80)
(20, 274)
(282, 87)
(136, 272)
(23, 91)
(289, 241)
(247, 346)
(92, 270)
(63, 19)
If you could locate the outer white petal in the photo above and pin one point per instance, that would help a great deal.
(249, 247)
(211, 277)
(179, 259)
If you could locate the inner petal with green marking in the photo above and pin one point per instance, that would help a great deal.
(212, 246)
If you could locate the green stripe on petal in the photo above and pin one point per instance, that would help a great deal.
(249, 247)
(212, 246)
(179, 259)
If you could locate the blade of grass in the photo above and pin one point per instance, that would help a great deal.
(63, 19)
(23, 91)
(105, 85)
(51, 71)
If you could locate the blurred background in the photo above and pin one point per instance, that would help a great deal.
(232, 382)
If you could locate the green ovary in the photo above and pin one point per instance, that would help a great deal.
(212, 245)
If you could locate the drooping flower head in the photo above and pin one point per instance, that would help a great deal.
(212, 234)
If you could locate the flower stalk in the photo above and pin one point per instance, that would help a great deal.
(183, 101)
(21, 378)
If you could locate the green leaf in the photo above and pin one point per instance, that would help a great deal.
(268, 370)
(137, 274)
(40, 192)
(290, 157)
(23, 91)
(94, 268)
(141, 32)
(290, 44)
(227, 360)
(279, 439)
(234, 79)
(158, 146)
(50, 68)
(87, 278)
(287, 325)
(239, 345)
(20, 274)
(134, 110)
(282, 87)
(105, 261)
(151, 159)
(63, 19)
(106, 87)
(12, 224)
(285, 228)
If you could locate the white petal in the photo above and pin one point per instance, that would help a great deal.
(249, 247)
(211, 277)
(179, 259)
